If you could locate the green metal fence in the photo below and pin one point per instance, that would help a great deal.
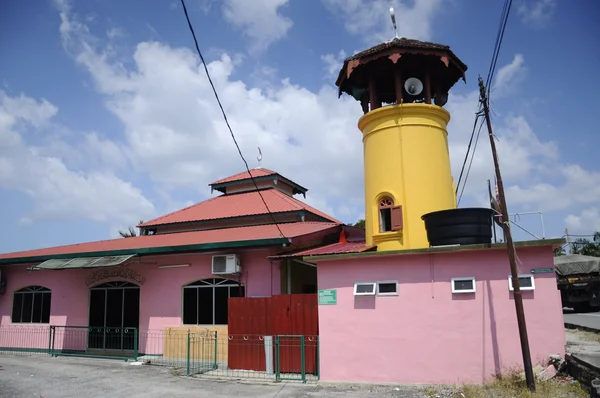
(193, 351)
(290, 341)
(94, 342)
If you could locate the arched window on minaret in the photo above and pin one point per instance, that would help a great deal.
(390, 216)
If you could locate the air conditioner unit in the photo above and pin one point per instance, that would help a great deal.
(226, 264)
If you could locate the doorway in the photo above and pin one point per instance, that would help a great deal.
(114, 313)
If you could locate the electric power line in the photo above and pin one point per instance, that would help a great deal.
(472, 157)
(498, 43)
(187, 17)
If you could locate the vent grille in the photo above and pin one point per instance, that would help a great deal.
(220, 264)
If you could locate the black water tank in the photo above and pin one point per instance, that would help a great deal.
(467, 226)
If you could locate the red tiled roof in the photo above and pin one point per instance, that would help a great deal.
(257, 232)
(335, 248)
(243, 175)
(238, 205)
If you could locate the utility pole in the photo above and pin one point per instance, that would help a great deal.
(512, 258)
(494, 216)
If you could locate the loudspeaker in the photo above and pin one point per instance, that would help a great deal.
(413, 86)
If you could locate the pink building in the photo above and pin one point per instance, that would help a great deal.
(435, 315)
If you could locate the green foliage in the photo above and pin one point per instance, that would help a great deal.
(360, 223)
(131, 232)
(587, 247)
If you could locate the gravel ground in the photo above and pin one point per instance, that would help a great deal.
(44, 377)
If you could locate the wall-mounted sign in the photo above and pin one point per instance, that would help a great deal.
(328, 297)
(119, 271)
(542, 270)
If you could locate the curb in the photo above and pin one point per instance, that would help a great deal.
(585, 328)
(584, 373)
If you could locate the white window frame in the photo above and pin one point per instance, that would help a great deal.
(464, 278)
(387, 293)
(532, 287)
(374, 284)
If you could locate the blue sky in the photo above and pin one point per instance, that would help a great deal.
(106, 116)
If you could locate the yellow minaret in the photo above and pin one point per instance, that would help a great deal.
(407, 168)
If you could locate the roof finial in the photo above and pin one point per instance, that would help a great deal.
(393, 16)
(259, 157)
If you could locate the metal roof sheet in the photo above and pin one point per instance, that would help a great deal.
(85, 262)
(335, 248)
(238, 205)
(183, 239)
(257, 172)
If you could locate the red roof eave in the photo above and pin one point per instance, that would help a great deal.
(183, 241)
(335, 248)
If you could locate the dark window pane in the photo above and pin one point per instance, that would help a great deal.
(17, 307)
(36, 315)
(385, 220)
(525, 282)
(131, 316)
(364, 288)
(114, 308)
(221, 298)
(205, 306)
(387, 288)
(465, 284)
(236, 291)
(190, 306)
(27, 303)
(46, 300)
(97, 303)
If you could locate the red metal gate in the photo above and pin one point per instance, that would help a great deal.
(251, 319)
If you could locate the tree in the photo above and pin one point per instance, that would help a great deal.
(359, 224)
(587, 247)
(559, 251)
(131, 232)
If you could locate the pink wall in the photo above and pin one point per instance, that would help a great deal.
(426, 334)
(160, 294)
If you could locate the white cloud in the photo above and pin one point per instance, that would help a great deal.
(578, 187)
(586, 222)
(261, 21)
(509, 76)
(333, 63)
(371, 19)
(536, 13)
(27, 109)
(56, 190)
(115, 32)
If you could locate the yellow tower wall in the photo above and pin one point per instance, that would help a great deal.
(406, 157)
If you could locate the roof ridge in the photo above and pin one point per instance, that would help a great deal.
(287, 198)
(244, 175)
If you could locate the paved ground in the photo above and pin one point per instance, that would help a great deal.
(590, 319)
(44, 377)
(584, 345)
